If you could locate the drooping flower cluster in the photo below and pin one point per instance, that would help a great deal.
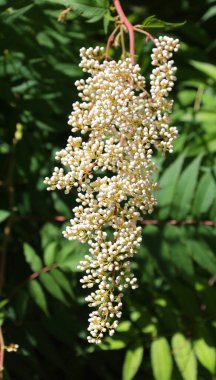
(111, 167)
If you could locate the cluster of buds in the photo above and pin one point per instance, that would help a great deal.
(111, 167)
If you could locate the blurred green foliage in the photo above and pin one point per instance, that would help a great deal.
(168, 329)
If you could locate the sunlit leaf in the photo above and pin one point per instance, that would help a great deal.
(4, 215)
(32, 258)
(184, 357)
(205, 68)
(112, 344)
(161, 359)
(50, 253)
(132, 362)
(70, 255)
(205, 350)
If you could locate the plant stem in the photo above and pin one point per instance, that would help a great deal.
(62, 218)
(129, 27)
(9, 186)
(32, 277)
(122, 42)
(1, 354)
(148, 35)
(110, 40)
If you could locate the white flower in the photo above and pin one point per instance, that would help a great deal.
(123, 124)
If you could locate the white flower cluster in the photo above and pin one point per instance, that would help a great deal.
(123, 123)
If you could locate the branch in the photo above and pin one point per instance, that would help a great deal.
(110, 40)
(148, 35)
(129, 27)
(62, 218)
(9, 186)
(2, 347)
(32, 276)
(179, 222)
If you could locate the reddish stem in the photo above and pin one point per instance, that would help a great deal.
(181, 222)
(1, 354)
(110, 41)
(43, 270)
(33, 276)
(129, 27)
(62, 218)
(148, 35)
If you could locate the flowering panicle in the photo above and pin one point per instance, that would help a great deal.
(124, 124)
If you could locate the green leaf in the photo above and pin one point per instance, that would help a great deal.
(59, 2)
(52, 287)
(60, 206)
(213, 211)
(4, 215)
(63, 282)
(161, 359)
(204, 117)
(90, 10)
(187, 97)
(132, 362)
(112, 344)
(32, 258)
(2, 318)
(124, 326)
(204, 195)
(70, 255)
(37, 294)
(12, 14)
(211, 12)
(49, 233)
(205, 68)
(45, 40)
(205, 351)
(50, 253)
(71, 70)
(187, 299)
(184, 357)
(21, 302)
(106, 20)
(168, 184)
(185, 189)
(202, 255)
(153, 22)
(182, 259)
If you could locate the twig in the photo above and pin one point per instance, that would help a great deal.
(179, 222)
(2, 347)
(32, 276)
(148, 35)
(198, 98)
(122, 42)
(110, 41)
(62, 218)
(129, 27)
(8, 184)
